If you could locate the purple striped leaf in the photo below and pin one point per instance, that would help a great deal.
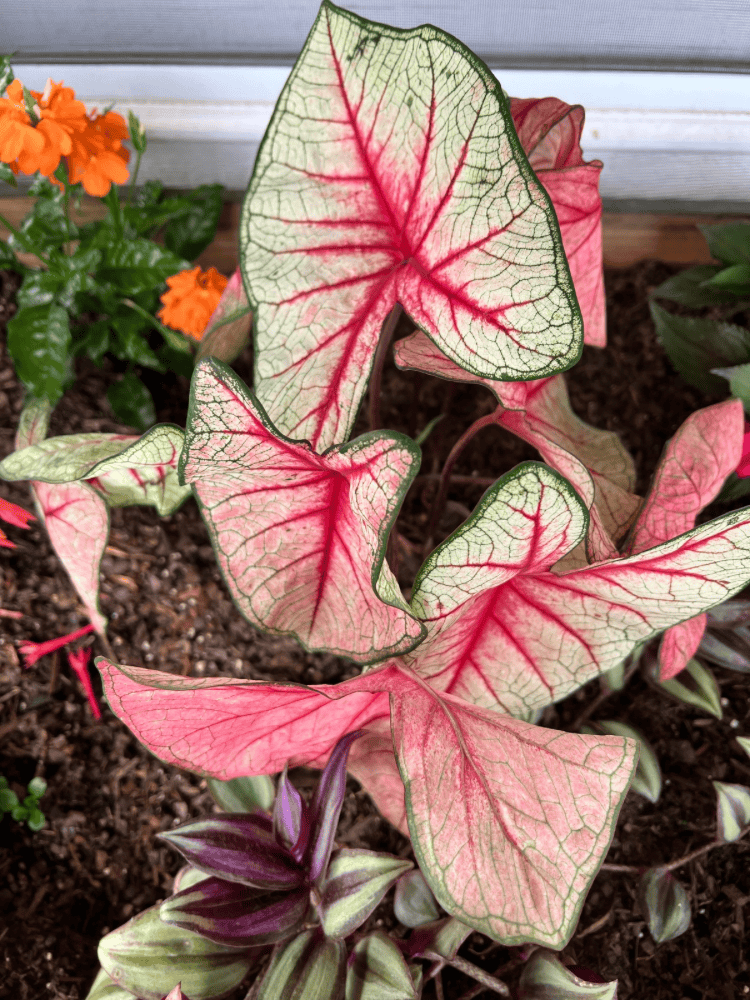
(240, 847)
(505, 633)
(311, 967)
(391, 173)
(236, 915)
(291, 818)
(325, 807)
(300, 537)
(377, 970)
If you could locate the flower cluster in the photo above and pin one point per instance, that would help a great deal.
(55, 127)
(190, 300)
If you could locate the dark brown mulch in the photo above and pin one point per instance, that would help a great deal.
(96, 863)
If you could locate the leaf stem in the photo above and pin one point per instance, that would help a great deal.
(445, 476)
(376, 375)
(471, 970)
(673, 865)
(134, 178)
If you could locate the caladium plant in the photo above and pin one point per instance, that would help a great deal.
(391, 174)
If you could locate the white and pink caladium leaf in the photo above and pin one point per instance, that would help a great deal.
(228, 330)
(463, 767)
(509, 821)
(539, 412)
(550, 132)
(77, 522)
(695, 464)
(506, 633)
(124, 469)
(300, 537)
(391, 173)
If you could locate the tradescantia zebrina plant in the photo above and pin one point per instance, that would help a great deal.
(392, 177)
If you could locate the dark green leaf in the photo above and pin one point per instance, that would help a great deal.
(6, 74)
(129, 344)
(39, 342)
(734, 279)
(39, 288)
(43, 188)
(690, 288)
(8, 259)
(132, 403)
(695, 346)
(190, 232)
(139, 265)
(46, 227)
(729, 242)
(734, 488)
(92, 340)
(36, 820)
(179, 362)
(8, 800)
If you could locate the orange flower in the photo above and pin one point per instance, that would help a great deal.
(191, 300)
(28, 146)
(18, 137)
(98, 158)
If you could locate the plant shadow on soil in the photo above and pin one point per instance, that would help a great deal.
(96, 863)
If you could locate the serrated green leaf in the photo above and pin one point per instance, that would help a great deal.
(413, 901)
(131, 402)
(729, 242)
(739, 381)
(692, 288)
(104, 988)
(696, 685)
(191, 230)
(148, 958)
(377, 971)
(355, 883)
(544, 977)
(39, 342)
(732, 810)
(664, 904)
(696, 346)
(310, 967)
(243, 794)
(647, 778)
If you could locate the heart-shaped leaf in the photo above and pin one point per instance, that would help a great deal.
(509, 821)
(732, 810)
(550, 132)
(506, 633)
(355, 883)
(539, 412)
(63, 459)
(391, 172)
(300, 537)
(77, 522)
(194, 723)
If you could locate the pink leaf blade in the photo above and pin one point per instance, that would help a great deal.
(696, 461)
(373, 763)
(520, 637)
(550, 132)
(400, 184)
(509, 821)
(679, 645)
(226, 728)
(77, 522)
(300, 537)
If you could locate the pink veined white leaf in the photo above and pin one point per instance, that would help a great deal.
(391, 173)
(696, 462)
(300, 537)
(550, 132)
(594, 461)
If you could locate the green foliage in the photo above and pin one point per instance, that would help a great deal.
(704, 350)
(99, 285)
(27, 811)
